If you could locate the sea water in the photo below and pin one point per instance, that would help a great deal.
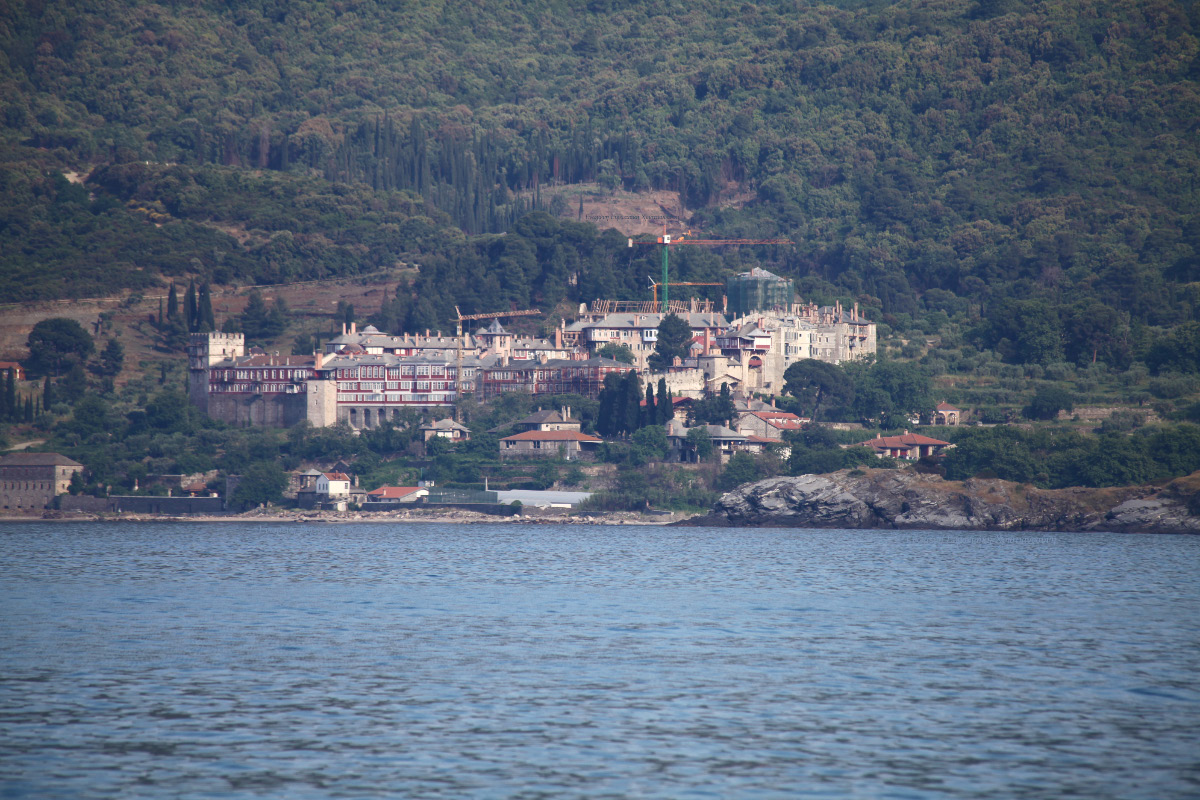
(428, 660)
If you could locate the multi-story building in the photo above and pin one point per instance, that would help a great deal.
(639, 331)
(352, 386)
(768, 343)
(560, 376)
(32, 480)
(365, 390)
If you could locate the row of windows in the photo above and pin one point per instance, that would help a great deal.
(262, 374)
(26, 486)
(404, 370)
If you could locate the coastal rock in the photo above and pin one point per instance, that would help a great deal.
(909, 499)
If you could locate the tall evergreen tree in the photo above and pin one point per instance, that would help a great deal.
(190, 309)
(649, 412)
(47, 394)
(612, 406)
(10, 396)
(29, 409)
(633, 402)
(207, 322)
(172, 302)
(665, 408)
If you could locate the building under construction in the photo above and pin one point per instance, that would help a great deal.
(758, 290)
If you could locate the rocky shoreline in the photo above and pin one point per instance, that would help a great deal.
(447, 516)
(906, 499)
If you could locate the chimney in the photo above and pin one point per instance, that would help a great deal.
(343, 329)
(318, 357)
(558, 338)
(354, 327)
(427, 333)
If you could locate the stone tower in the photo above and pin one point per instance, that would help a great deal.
(204, 350)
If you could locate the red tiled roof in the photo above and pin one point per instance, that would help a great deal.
(274, 361)
(393, 491)
(781, 419)
(551, 436)
(902, 442)
(762, 439)
(944, 406)
(337, 476)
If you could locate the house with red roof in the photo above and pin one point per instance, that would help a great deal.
(946, 414)
(397, 494)
(571, 444)
(769, 424)
(909, 446)
(333, 485)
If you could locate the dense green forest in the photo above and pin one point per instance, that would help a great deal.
(1030, 169)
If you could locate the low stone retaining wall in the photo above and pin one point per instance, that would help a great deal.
(142, 504)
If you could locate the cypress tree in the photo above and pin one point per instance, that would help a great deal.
(29, 409)
(189, 307)
(159, 322)
(633, 401)
(10, 396)
(665, 409)
(47, 394)
(206, 321)
(612, 406)
(649, 413)
(172, 303)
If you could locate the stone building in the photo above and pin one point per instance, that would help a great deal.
(32, 480)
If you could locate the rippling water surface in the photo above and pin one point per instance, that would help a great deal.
(236, 660)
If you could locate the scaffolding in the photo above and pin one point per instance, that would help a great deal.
(758, 290)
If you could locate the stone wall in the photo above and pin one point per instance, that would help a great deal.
(269, 410)
(140, 504)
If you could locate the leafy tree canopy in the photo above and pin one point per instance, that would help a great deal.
(54, 343)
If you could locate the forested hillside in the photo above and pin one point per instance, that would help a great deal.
(1032, 165)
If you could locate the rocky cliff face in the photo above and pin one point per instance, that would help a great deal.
(908, 499)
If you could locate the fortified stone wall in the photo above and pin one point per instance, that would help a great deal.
(278, 410)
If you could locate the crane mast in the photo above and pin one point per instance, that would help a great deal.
(667, 241)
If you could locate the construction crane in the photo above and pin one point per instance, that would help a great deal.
(529, 312)
(655, 284)
(668, 241)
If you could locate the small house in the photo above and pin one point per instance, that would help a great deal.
(446, 429)
(397, 494)
(909, 446)
(946, 414)
(571, 444)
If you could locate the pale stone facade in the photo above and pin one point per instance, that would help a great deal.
(32, 480)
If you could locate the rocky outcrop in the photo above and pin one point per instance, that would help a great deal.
(907, 499)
